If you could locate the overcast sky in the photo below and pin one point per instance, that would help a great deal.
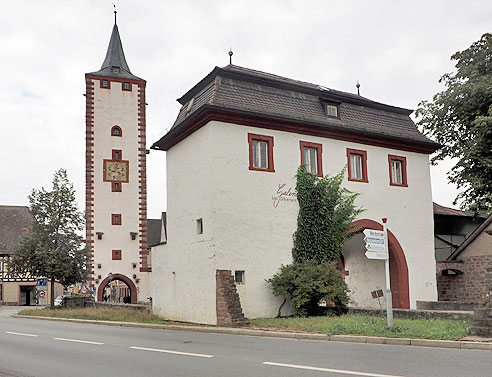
(396, 49)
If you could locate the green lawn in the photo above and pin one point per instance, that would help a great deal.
(343, 325)
(372, 326)
(100, 314)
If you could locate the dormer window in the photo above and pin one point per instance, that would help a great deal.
(331, 110)
(115, 69)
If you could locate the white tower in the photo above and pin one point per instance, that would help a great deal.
(116, 188)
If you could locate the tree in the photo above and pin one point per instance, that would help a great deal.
(326, 210)
(460, 118)
(53, 248)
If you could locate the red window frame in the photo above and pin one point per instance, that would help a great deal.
(123, 86)
(269, 141)
(403, 161)
(116, 186)
(116, 155)
(116, 254)
(319, 153)
(363, 154)
(105, 87)
(116, 128)
(116, 219)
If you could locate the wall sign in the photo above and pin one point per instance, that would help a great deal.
(284, 194)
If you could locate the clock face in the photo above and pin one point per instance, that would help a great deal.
(115, 171)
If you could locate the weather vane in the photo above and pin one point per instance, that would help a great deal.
(114, 13)
(230, 55)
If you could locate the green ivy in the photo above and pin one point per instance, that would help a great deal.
(326, 210)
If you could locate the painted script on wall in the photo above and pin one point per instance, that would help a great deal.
(284, 194)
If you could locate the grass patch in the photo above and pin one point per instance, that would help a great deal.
(440, 329)
(100, 314)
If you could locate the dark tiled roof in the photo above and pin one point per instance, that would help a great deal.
(441, 210)
(14, 222)
(154, 227)
(115, 57)
(251, 92)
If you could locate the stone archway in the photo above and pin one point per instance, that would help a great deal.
(398, 264)
(124, 279)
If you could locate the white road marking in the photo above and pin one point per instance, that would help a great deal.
(350, 372)
(21, 334)
(173, 352)
(78, 341)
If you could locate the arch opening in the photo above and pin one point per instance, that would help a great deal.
(117, 288)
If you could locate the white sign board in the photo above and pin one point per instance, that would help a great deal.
(373, 233)
(375, 255)
(375, 244)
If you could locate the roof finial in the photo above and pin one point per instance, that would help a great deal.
(358, 86)
(230, 55)
(114, 13)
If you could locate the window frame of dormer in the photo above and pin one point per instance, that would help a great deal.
(403, 163)
(116, 127)
(102, 83)
(363, 154)
(319, 155)
(129, 86)
(326, 102)
(270, 144)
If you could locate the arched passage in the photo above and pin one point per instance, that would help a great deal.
(398, 264)
(124, 279)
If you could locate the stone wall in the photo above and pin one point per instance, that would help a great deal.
(482, 321)
(468, 284)
(229, 311)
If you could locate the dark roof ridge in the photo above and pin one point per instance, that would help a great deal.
(12, 206)
(470, 239)
(287, 83)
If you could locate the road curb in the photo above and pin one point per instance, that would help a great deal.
(469, 345)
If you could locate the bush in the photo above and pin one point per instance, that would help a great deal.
(309, 283)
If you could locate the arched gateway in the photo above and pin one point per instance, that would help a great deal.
(398, 264)
(120, 277)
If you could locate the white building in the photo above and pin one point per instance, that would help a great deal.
(231, 159)
(116, 192)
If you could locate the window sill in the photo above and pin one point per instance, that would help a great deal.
(260, 169)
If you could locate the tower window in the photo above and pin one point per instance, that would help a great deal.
(115, 186)
(357, 165)
(127, 86)
(199, 226)
(311, 157)
(116, 131)
(115, 219)
(105, 84)
(116, 154)
(116, 254)
(397, 170)
(239, 277)
(260, 152)
(115, 69)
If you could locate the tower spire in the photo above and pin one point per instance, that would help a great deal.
(115, 11)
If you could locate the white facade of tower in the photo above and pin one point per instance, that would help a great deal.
(116, 198)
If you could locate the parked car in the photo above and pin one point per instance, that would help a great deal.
(59, 301)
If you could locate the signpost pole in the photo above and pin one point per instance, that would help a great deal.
(389, 304)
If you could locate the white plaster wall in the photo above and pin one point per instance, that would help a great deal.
(117, 107)
(209, 177)
(184, 268)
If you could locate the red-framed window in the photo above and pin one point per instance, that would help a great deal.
(311, 157)
(397, 170)
(126, 86)
(116, 254)
(116, 131)
(105, 84)
(116, 186)
(116, 154)
(357, 165)
(260, 152)
(116, 219)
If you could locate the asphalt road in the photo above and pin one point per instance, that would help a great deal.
(50, 349)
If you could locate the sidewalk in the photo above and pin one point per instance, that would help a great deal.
(8, 311)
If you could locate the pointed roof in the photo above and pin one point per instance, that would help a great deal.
(115, 64)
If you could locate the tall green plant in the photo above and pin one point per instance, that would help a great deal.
(326, 210)
(53, 248)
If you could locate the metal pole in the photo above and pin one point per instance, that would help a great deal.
(389, 303)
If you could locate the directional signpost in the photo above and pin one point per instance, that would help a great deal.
(377, 248)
